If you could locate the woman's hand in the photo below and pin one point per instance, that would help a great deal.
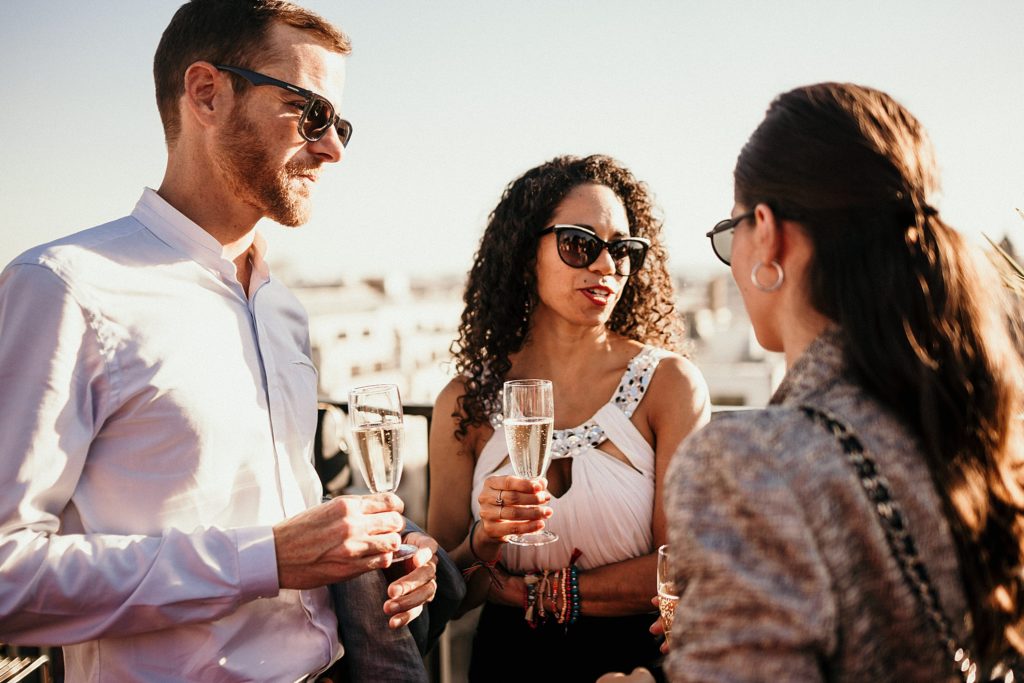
(511, 591)
(510, 505)
(658, 627)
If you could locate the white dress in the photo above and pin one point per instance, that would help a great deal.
(607, 512)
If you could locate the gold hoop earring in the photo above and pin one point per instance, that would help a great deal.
(778, 280)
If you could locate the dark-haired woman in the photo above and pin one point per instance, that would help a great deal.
(897, 418)
(569, 284)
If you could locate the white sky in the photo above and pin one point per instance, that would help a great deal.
(451, 100)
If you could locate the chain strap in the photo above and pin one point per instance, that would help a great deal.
(897, 534)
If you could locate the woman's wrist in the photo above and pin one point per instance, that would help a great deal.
(483, 549)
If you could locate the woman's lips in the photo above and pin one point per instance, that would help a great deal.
(598, 294)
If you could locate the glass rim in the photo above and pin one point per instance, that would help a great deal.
(372, 389)
(526, 382)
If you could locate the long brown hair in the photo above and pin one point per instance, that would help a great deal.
(923, 328)
(502, 285)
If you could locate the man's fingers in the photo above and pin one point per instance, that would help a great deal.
(412, 581)
(412, 603)
(366, 546)
(400, 620)
(382, 523)
(423, 556)
(377, 502)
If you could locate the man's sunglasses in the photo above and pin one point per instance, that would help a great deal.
(721, 236)
(579, 247)
(317, 114)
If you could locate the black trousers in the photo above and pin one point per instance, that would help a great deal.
(506, 648)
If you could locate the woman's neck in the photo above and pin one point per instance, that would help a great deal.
(555, 348)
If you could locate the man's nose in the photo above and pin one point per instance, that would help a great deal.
(329, 147)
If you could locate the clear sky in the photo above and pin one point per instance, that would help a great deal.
(452, 99)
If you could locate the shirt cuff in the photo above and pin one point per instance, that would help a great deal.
(257, 562)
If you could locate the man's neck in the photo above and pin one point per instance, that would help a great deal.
(193, 186)
(195, 190)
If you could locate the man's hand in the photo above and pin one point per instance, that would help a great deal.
(410, 592)
(338, 540)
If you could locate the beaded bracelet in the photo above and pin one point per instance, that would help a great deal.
(530, 600)
(563, 613)
(574, 592)
(543, 585)
(480, 562)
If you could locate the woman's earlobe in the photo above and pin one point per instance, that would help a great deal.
(768, 234)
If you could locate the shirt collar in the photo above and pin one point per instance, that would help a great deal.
(820, 365)
(178, 231)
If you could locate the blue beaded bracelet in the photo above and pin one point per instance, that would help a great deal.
(574, 594)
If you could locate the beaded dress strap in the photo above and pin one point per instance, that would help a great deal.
(566, 443)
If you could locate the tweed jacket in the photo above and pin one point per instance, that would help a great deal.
(787, 573)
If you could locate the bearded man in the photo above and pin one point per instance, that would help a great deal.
(160, 516)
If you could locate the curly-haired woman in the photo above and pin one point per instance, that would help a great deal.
(569, 284)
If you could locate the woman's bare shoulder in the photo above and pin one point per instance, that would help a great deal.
(451, 392)
(448, 414)
(679, 380)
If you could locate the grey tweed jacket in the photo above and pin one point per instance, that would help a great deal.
(788, 575)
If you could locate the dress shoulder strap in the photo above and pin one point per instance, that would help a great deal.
(638, 375)
(627, 396)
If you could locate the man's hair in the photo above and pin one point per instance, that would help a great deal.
(225, 32)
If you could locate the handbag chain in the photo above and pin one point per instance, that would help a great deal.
(897, 534)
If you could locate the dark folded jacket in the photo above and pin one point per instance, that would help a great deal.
(374, 652)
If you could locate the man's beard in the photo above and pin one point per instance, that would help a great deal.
(249, 171)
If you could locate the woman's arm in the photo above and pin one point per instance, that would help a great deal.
(449, 515)
(757, 603)
(676, 405)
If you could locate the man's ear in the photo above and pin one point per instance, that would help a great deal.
(769, 236)
(208, 93)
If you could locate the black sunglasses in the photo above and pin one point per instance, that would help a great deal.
(317, 114)
(721, 236)
(579, 246)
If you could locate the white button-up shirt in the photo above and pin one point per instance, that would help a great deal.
(154, 423)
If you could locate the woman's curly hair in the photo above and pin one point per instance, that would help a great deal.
(502, 286)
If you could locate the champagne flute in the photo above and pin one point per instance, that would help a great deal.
(528, 408)
(668, 594)
(378, 436)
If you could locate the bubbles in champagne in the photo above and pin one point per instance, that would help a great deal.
(667, 605)
(379, 451)
(529, 445)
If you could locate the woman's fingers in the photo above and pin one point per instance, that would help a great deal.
(510, 497)
(512, 505)
(499, 530)
(498, 482)
(514, 513)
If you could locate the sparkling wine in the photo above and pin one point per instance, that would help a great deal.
(379, 448)
(667, 605)
(529, 445)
